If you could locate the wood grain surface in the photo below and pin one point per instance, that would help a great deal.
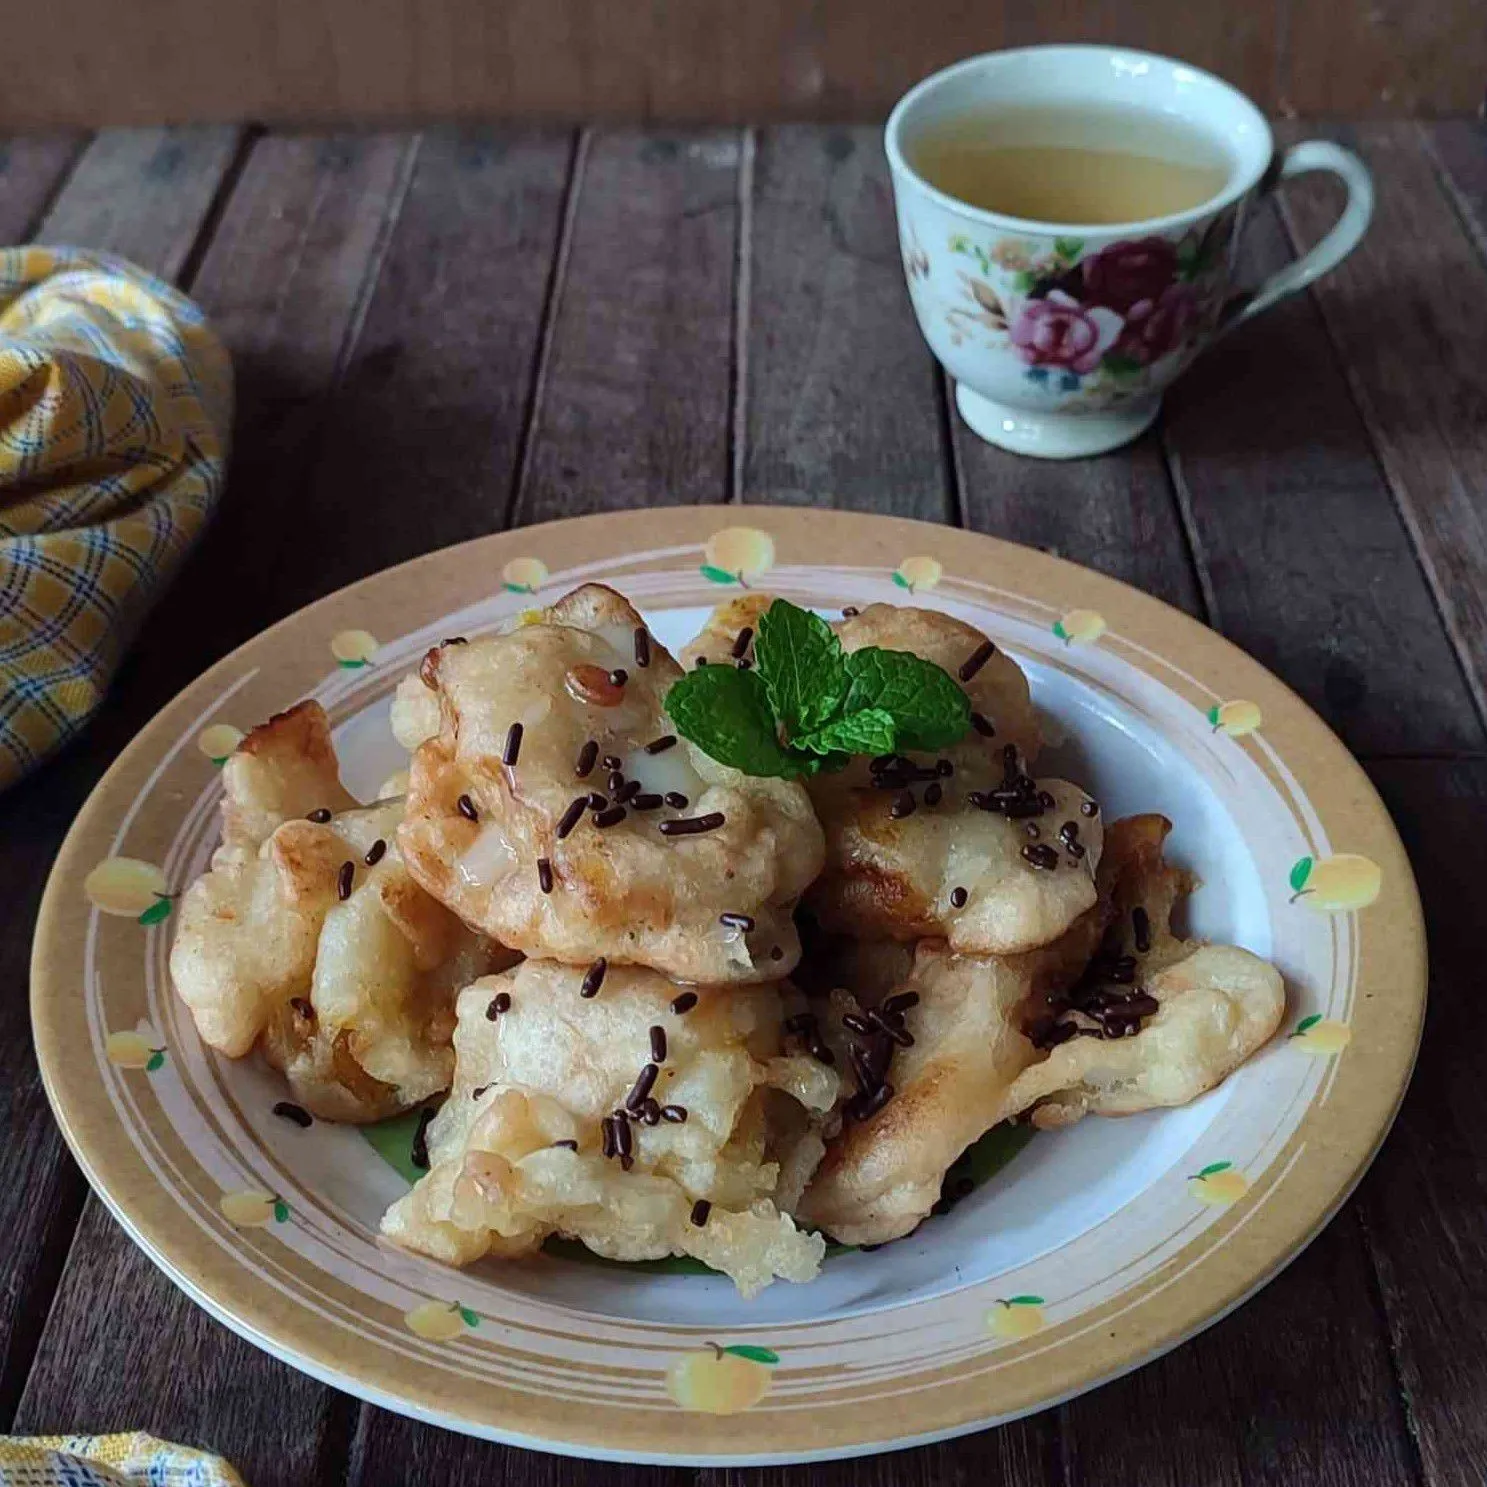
(349, 61)
(439, 334)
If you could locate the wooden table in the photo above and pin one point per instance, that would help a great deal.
(439, 335)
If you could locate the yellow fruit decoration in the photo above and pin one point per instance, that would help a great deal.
(440, 1321)
(737, 554)
(721, 1381)
(133, 1051)
(1015, 1317)
(218, 741)
(524, 575)
(353, 648)
(1080, 625)
(918, 575)
(1333, 885)
(1218, 1184)
(1234, 718)
(251, 1209)
(1318, 1034)
(129, 888)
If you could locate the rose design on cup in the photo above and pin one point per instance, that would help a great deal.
(1154, 328)
(1060, 332)
(1124, 275)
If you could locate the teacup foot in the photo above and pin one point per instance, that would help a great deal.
(1057, 436)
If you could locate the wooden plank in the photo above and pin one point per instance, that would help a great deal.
(1460, 150)
(144, 193)
(632, 406)
(839, 394)
(336, 61)
(1408, 314)
(32, 168)
(126, 1350)
(1305, 562)
(1114, 514)
(40, 1189)
(1296, 1387)
(1423, 1202)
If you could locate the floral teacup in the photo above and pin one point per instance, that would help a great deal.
(1062, 338)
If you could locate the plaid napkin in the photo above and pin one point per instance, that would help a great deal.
(136, 1460)
(115, 405)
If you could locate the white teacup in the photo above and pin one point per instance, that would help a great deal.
(1062, 337)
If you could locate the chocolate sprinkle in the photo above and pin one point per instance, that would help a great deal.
(613, 761)
(375, 853)
(593, 978)
(1141, 923)
(642, 1087)
(658, 1043)
(700, 1210)
(741, 643)
(1041, 856)
(513, 744)
(622, 1137)
(499, 1003)
(455, 640)
(419, 1152)
(851, 612)
(587, 756)
(660, 745)
(676, 800)
(611, 817)
(479, 1090)
(702, 661)
(319, 817)
(544, 875)
(650, 1113)
(976, 660)
(1032, 831)
(597, 802)
(344, 879)
(296, 1113)
(744, 922)
(958, 897)
(892, 1024)
(619, 676)
(933, 793)
(983, 725)
(642, 646)
(1089, 808)
(746, 664)
(903, 805)
(466, 807)
(566, 1145)
(692, 825)
(303, 1008)
(616, 781)
(900, 1001)
(684, 1003)
(607, 1136)
(649, 801)
(676, 1114)
(856, 1024)
(776, 952)
(569, 819)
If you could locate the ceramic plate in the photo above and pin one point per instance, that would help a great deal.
(1086, 1253)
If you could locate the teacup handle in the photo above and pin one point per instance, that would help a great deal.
(1300, 160)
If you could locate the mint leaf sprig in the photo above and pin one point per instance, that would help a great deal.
(806, 705)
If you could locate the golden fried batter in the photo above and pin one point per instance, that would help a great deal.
(350, 994)
(540, 1064)
(478, 829)
(1200, 1012)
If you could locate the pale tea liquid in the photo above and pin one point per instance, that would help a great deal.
(1086, 166)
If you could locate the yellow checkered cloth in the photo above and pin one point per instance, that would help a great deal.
(136, 1460)
(115, 409)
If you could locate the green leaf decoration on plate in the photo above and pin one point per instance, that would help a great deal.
(1300, 872)
(755, 1355)
(157, 911)
(468, 1317)
(717, 575)
(1025, 1301)
(281, 1211)
(155, 1061)
(1213, 1167)
(1307, 1022)
(902, 582)
(1213, 715)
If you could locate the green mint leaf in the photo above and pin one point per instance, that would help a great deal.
(928, 708)
(870, 731)
(800, 659)
(725, 712)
